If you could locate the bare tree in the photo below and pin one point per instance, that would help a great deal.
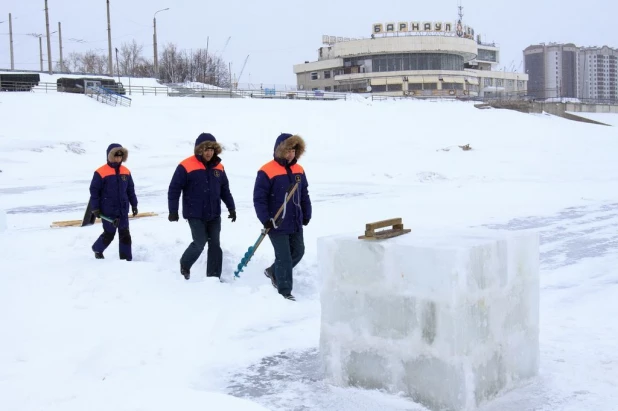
(72, 62)
(130, 57)
(168, 64)
(175, 65)
(144, 69)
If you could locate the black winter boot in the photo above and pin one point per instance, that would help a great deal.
(185, 272)
(270, 274)
(289, 297)
(98, 256)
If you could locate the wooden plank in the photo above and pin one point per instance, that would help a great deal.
(383, 223)
(78, 223)
(382, 235)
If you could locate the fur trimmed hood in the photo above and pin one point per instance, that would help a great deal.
(113, 149)
(287, 141)
(205, 141)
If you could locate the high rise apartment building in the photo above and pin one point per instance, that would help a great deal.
(565, 70)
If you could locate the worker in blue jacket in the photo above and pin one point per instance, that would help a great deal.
(272, 187)
(111, 192)
(202, 181)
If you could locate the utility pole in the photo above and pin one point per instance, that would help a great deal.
(49, 56)
(41, 50)
(60, 38)
(11, 40)
(110, 66)
(154, 46)
(117, 65)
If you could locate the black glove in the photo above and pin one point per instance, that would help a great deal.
(134, 211)
(269, 224)
(306, 221)
(96, 213)
(232, 215)
(173, 216)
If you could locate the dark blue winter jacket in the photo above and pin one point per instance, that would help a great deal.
(274, 179)
(112, 189)
(203, 186)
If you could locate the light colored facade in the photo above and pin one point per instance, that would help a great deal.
(598, 73)
(567, 71)
(419, 59)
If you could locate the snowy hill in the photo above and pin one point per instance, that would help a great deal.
(80, 333)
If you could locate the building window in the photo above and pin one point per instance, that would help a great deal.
(405, 61)
(487, 55)
(314, 75)
(327, 74)
(487, 81)
(327, 88)
(452, 86)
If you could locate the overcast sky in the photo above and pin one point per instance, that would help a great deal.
(277, 34)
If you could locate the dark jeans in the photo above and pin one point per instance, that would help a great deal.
(205, 232)
(289, 249)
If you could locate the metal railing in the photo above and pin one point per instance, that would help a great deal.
(107, 96)
(183, 91)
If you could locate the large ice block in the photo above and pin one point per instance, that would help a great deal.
(450, 317)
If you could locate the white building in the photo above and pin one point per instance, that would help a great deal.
(421, 59)
(566, 70)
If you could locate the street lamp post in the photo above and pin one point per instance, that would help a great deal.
(154, 42)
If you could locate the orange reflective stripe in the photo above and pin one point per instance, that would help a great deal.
(274, 169)
(297, 169)
(219, 167)
(191, 164)
(105, 171)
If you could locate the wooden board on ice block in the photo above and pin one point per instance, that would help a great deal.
(396, 230)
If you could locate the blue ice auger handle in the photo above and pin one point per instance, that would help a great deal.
(251, 250)
(247, 257)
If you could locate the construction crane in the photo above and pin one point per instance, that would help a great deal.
(225, 46)
(242, 69)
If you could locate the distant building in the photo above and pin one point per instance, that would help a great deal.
(565, 70)
(598, 73)
(421, 59)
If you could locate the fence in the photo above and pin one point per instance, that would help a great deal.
(107, 96)
(272, 93)
(184, 91)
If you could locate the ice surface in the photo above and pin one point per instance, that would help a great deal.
(3, 224)
(451, 318)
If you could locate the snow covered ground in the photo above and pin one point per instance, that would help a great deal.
(80, 333)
